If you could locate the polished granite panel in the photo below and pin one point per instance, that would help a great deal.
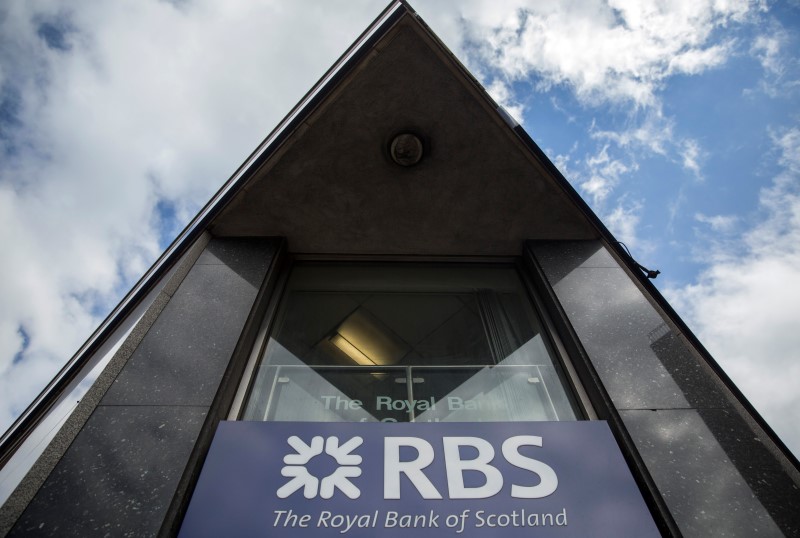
(713, 473)
(119, 475)
(559, 258)
(767, 478)
(698, 382)
(248, 257)
(184, 355)
(642, 363)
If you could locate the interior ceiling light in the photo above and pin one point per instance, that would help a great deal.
(352, 351)
(406, 149)
(367, 341)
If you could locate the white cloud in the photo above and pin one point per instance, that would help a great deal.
(656, 133)
(767, 49)
(504, 97)
(564, 164)
(718, 223)
(692, 154)
(694, 62)
(618, 159)
(653, 133)
(746, 304)
(604, 174)
(623, 221)
(775, 50)
(109, 108)
(788, 142)
(619, 51)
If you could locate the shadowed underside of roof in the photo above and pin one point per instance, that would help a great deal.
(332, 187)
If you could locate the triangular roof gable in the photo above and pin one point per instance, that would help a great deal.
(330, 186)
(220, 213)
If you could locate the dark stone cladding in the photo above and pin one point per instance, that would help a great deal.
(719, 474)
(120, 474)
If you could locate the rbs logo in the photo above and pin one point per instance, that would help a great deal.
(339, 479)
(414, 469)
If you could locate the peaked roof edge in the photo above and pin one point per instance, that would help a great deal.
(38, 409)
(623, 255)
(19, 430)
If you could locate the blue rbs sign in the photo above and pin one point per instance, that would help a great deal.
(411, 480)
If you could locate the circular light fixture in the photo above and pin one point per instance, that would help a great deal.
(406, 149)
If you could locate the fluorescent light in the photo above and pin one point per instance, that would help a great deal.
(368, 341)
(352, 351)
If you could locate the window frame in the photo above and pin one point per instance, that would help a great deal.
(584, 409)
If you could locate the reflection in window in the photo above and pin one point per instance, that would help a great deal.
(402, 342)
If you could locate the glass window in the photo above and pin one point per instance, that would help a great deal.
(407, 342)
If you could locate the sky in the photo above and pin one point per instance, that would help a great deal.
(677, 121)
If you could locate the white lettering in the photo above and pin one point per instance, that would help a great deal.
(339, 403)
(407, 521)
(549, 480)
(287, 518)
(393, 467)
(456, 466)
(454, 520)
(520, 519)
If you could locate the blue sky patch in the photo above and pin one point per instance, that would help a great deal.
(26, 342)
(55, 33)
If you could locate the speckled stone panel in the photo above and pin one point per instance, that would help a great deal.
(559, 258)
(717, 473)
(639, 359)
(186, 352)
(708, 495)
(118, 477)
(183, 357)
(247, 257)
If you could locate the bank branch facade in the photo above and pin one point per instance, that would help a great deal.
(396, 319)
